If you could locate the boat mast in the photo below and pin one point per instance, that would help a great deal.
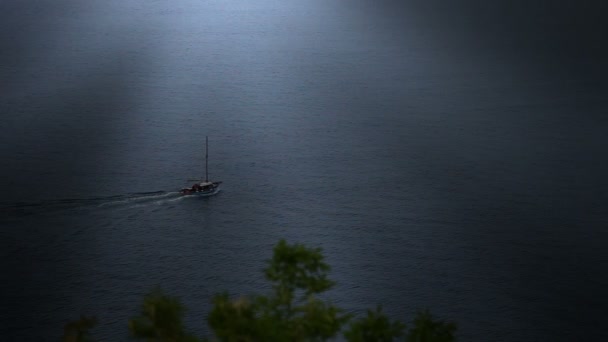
(206, 157)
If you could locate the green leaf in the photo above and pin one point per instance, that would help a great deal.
(296, 267)
(78, 331)
(376, 326)
(426, 329)
(160, 319)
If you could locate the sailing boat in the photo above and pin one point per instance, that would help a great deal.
(206, 187)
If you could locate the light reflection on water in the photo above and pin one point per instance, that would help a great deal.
(428, 182)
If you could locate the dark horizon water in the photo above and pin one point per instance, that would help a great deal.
(441, 157)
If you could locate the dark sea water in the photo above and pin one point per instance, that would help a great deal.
(437, 169)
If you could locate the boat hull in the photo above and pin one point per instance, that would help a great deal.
(201, 192)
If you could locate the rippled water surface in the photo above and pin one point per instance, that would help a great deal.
(432, 176)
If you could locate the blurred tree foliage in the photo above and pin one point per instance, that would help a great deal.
(78, 331)
(292, 311)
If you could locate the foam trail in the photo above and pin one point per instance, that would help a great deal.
(141, 197)
(116, 201)
(178, 198)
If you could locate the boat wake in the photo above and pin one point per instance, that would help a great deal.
(130, 200)
(142, 197)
